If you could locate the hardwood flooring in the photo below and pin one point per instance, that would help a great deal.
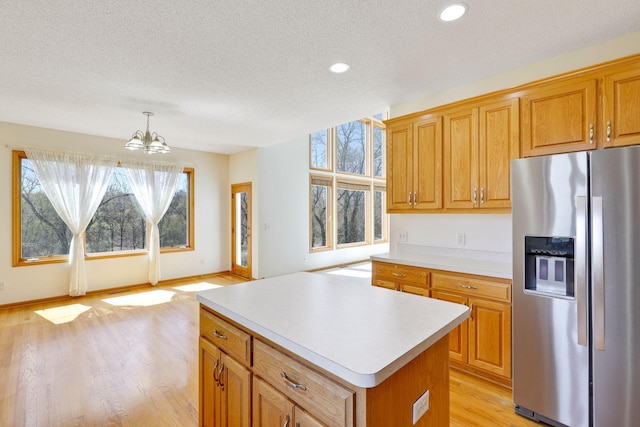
(130, 359)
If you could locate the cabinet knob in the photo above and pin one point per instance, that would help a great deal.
(482, 196)
(475, 196)
(591, 132)
(609, 131)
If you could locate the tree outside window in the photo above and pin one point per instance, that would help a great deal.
(116, 228)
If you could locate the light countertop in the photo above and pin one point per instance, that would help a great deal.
(360, 333)
(492, 264)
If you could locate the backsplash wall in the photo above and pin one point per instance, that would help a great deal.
(481, 232)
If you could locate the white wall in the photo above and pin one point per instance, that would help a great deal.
(284, 214)
(491, 232)
(212, 210)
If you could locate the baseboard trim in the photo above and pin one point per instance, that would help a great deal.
(115, 290)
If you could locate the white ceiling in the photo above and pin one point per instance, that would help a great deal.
(223, 76)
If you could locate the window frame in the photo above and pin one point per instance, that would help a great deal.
(329, 150)
(373, 183)
(329, 210)
(16, 220)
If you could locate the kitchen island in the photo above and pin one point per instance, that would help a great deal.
(321, 350)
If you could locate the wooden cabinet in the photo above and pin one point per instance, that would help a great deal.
(480, 143)
(413, 280)
(560, 117)
(482, 344)
(414, 165)
(621, 105)
(225, 389)
(325, 399)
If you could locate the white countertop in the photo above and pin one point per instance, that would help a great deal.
(360, 333)
(492, 264)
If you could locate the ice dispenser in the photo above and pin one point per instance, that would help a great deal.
(549, 265)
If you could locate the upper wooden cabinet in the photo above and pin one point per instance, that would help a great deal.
(560, 118)
(621, 107)
(414, 165)
(479, 144)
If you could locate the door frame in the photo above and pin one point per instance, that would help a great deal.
(238, 269)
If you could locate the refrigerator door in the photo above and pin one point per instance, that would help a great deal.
(616, 286)
(550, 366)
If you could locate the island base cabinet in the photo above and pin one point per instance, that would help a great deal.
(225, 389)
(272, 408)
(391, 402)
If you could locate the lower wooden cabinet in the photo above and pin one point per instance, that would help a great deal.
(480, 345)
(262, 387)
(225, 389)
(412, 280)
(272, 408)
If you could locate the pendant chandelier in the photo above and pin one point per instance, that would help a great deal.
(150, 143)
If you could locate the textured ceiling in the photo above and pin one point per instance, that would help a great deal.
(223, 76)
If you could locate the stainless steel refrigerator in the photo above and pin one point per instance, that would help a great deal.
(576, 288)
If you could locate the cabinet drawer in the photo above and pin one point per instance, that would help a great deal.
(226, 336)
(327, 400)
(472, 286)
(403, 273)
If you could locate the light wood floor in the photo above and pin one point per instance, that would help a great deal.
(130, 359)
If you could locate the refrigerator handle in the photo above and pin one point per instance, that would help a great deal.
(597, 271)
(581, 268)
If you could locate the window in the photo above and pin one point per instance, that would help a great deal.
(320, 150)
(117, 227)
(321, 212)
(353, 191)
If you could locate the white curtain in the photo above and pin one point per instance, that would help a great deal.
(75, 184)
(153, 184)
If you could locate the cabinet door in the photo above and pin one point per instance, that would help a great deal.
(559, 118)
(399, 167)
(458, 339)
(385, 284)
(461, 159)
(235, 384)
(270, 407)
(304, 419)
(499, 144)
(622, 108)
(209, 368)
(490, 336)
(427, 164)
(415, 290)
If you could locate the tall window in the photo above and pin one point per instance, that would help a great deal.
(347, 182)
(117, 227)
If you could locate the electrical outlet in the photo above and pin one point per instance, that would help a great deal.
(403, 237)
(461, 239)
(1, 286)
(420, 406)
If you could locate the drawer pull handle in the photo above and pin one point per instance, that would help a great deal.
(219, 335)
(293, 384)
(467, 286)
(220, 376)
(399, 274)
(287, 421)
(216, 379)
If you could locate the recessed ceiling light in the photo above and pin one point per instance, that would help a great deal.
(453, 12)
(339, 68)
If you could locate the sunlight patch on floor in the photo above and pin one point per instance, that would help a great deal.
(197, 287)
(63, 314)
(142, 299)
